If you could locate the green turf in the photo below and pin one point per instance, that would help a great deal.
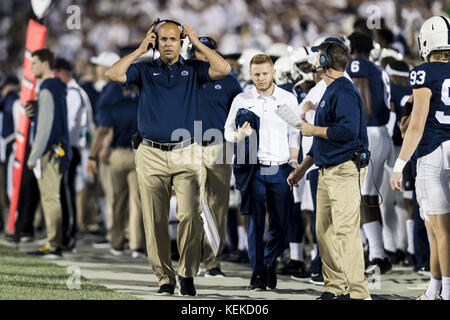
(29, 278)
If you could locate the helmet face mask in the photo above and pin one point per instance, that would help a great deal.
(434, 36)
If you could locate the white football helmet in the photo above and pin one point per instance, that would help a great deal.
(279, 49)
(434, 35)
(284, 67)
(301, 55)
(244, 63)
(387, 52)
(313, 57)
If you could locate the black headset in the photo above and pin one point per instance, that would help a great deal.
(325, 59)
(159, 22)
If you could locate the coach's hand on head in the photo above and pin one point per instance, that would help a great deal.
(149, 40)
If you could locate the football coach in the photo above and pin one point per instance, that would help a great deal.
(169, 101)
(340, 151)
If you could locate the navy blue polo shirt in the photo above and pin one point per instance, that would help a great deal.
(118, 111)
(93, 95)
(339, 110)
(169, 97)
(216, 99)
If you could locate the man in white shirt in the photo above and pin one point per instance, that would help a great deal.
(80, 121)
(277, 153)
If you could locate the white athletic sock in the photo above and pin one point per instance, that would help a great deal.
(374, 234)
(363, 236)
(242, 236)
(296, 251)
(434, 287)
(445, 288)
(314, 252)
(410, 234)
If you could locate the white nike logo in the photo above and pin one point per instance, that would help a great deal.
(156, 74)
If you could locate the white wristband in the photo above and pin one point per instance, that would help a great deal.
(399, 165)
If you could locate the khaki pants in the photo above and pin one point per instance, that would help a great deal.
(158, 171)
(87, 206)
(126, 199)
(105, 181)
(49, 187)
(337, 228)
(215, 188)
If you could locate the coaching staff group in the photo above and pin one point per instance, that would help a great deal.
(340, 134)
(169, 100)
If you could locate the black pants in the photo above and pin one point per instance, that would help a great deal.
(28, 200)
(68, 199)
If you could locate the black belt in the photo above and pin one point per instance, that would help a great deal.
(167, 146)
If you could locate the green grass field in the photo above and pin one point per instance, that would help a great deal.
(29, 278)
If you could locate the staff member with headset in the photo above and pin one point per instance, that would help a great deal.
(339, 150)
(169, 101)
(216, 99)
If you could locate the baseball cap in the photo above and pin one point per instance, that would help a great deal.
(331, 40)
(207, 41)
(106, 58)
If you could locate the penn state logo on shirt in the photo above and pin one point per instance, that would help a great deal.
(322, 104)
(218, 87)
(303, 95)
(184, 73)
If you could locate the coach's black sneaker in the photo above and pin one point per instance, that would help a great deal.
(214, 273)
(378, 265)
(409, 260)
(301, 276)
(329, 296)
(258, 282)
(392, 257)
(317, 279)
(400, 256)
(293, 266)
(186, 286)
(166, 290)
(271, 278)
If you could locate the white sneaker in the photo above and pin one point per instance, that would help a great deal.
(101, 245)
(434, 297)
(115, 252)
(136, 254)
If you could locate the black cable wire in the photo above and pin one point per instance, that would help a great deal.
(376, 187)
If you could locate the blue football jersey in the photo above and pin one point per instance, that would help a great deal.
(379, 89)
(399, 96)
(299, 93)
(436, 77)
